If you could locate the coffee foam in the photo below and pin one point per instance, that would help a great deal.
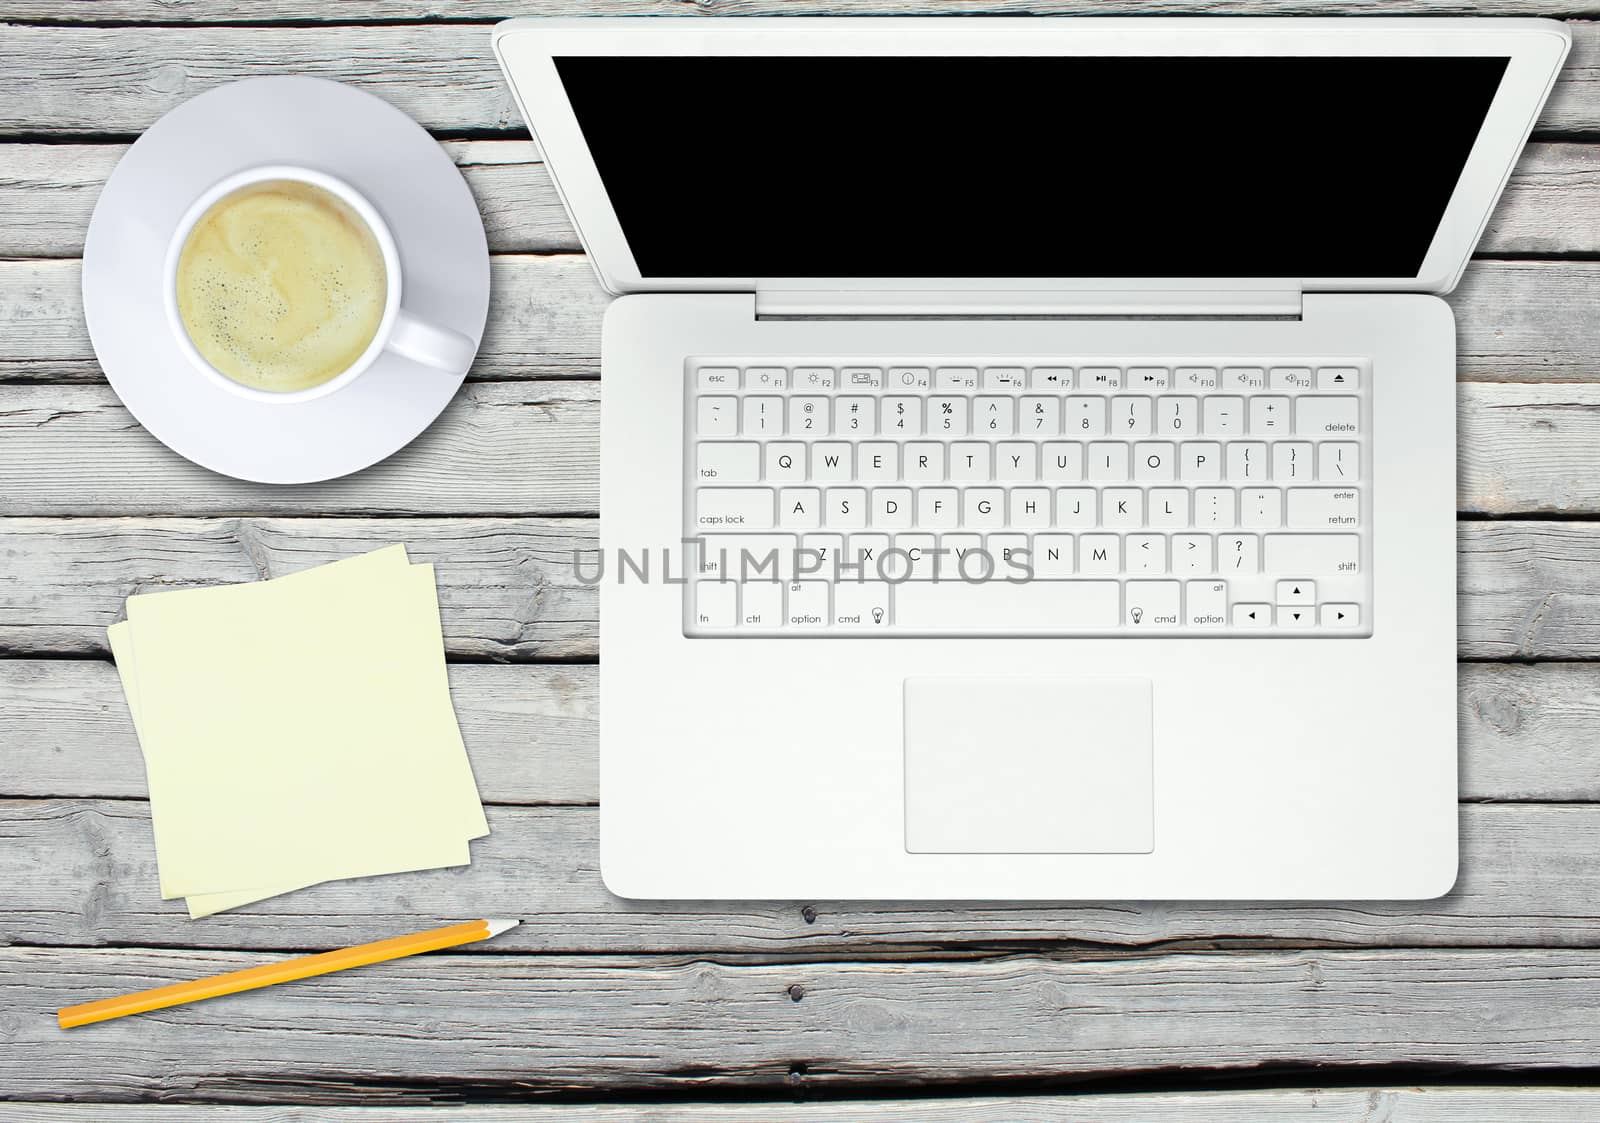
(281, 286)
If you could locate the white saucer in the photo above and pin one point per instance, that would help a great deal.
(319, 124)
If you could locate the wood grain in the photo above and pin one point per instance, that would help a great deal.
(544, 320)
(83, 872)
(508, 588)
(119, 80)
(1336, 1105)
(408, 1029)
(1527, 447)
(532, 731)
(529, 447)
(1550, 206)
(48, 192)
(1526, 590)
(532, 448)
(1516, 321)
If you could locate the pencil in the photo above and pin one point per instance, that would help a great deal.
(286, 971)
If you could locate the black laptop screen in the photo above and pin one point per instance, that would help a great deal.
(1030, 167)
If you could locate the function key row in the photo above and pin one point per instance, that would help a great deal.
(1033, 415)
(1047, 379)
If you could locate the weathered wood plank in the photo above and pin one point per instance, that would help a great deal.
(1526, 731)
(1526, 590)
(1337, 1105)
(99, 80)
(1515, 321)
(533, 448)
(531, 730)
(119, 80)
(1528, 447)
(507, 447)
(509, 591)
(403, 1030)
(508, 588)
(544, 320)
(1551, 205)
(48, 191)
(83, 872)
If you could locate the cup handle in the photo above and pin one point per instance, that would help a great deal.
(431, 345)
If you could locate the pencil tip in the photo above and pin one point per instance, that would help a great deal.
(498, 926)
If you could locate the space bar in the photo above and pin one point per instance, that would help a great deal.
(1005, 608)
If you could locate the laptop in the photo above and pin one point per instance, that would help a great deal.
(1028, 445)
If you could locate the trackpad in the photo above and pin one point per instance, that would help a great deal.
(1028, 765)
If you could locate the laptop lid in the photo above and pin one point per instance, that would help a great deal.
(1030, 154)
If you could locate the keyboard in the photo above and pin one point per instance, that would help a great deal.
(1179, 496)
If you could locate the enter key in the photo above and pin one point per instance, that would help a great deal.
(1324, 508)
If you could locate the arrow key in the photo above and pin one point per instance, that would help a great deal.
(1297, 592)
(1246, 616)
(1294, 616)
(1341, 616)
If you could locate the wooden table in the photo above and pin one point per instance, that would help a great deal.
(1484, 1005)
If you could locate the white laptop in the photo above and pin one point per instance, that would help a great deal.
(1028, 450)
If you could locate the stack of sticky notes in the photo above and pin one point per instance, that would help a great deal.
(297, 730)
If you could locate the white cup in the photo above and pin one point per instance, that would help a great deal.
(447, 351)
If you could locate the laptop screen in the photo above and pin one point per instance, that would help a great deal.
(1030, 167)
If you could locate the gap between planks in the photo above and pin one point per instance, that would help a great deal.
(1367, 1102)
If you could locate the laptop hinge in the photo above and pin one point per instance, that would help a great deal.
(1012, 304)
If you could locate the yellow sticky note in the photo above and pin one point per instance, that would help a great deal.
(298, 730)
(207, 904)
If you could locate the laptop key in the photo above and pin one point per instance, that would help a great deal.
(998, 607)
(1327, 417)
(1315, 554)
(733, 508)
(716, 604)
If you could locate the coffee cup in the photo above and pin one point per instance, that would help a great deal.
(283, 284)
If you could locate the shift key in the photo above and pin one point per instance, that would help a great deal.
(1313, 555)
(733, 508)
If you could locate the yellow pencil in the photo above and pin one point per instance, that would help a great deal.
(290, 969)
